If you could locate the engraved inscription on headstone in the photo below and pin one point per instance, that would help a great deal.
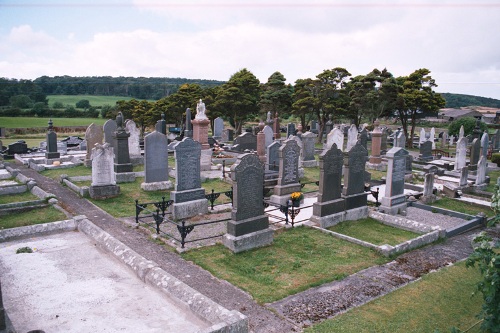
(187, 164)
(331, 163)
(355, 170)
(248, 195)
(155, 158)
(289, 160)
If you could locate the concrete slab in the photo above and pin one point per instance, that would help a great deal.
(68, 285)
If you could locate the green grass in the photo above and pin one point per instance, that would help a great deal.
(438, 301)
(28, 122)
(299, 258)
(462, 207)
(38, 216)
(26, 196)
(493, 180)
(94, 100)
(80, 170)
(372, 231)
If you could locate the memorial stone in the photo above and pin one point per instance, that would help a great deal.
(314, 127)
(496, 140)
(394, 200)
(363, 138)
(288, 181)
(329, 125)
(103, 176)
(161, 125)
(422, 137)
(376, 146)
(464, 174)
(461, 132)
(485, 142)
(290, 130)
(335, 136)
(276, 127)
(308, 141)
(428, 196)
(109, 129)
(383, 142)
(432, 137)
(93, 135)
(51, 137)
(133, 139)
(460, 154)
(352, 137)
(353, 191)
(227, 135)
(249, 226)
(261, 146)
(426, 151)
(272, 154)
(444, 140)
(155, 162)
(122, 157)
(245, 141)
(218, 128)
(481, 173)
(475, 153)
(269, 135)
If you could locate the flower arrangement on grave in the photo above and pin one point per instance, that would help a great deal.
(297, 196)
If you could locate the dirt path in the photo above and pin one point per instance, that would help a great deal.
(296, 311)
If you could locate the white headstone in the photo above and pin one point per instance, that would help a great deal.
(133, 140)
(460, 155)
(102, 165)
(268, 132)
(461, 132)
(352, 137)
(422, 138)
(432, 137)
(335, 136)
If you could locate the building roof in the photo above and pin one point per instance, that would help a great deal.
(455, 113)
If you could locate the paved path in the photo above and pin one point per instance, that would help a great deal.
(220, 291)
(302, 309)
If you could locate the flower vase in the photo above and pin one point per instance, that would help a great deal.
(296, 203)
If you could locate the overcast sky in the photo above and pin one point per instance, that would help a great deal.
(458, 40)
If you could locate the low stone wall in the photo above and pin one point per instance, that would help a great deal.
(41, 193)
(13, 189)
(37, 229)
(83, 191)
(17, 207)
(400, 222)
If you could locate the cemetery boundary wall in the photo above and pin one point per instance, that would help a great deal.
(222, 320)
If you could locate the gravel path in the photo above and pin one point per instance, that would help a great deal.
(432, 219)
(294, 312)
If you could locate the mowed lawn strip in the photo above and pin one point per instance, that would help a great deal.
(439, 300)
(373, 231)
(299, 258)
(37, 216)
(29, 122)
(462, 207)
(21, 197)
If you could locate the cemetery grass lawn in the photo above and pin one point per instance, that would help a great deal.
(93, 100)
(462, 207)
(299, 258)
(439, 300)
(29, 122)
(26, 196)
(372, 231)
(37, 216)
(493, 180)
(80, 170)
(31, 141)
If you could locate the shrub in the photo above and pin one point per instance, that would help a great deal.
(469, 124)
(495, 158)
(83, 104)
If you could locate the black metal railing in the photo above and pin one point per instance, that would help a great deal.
(160, 206)
(213, 196)
(289, 211)
(302, 185)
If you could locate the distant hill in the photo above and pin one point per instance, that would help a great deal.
(459, 100)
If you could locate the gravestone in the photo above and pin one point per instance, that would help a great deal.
(461, 132)
(460, 154)
(363, 138)
(103, 176)
(93, 135)
(188, 131)
(485, 142)
(475, 153)
(329, 125)
(401, 140)
(352, 137)
(428, 195)
(481, 174)
(276, 127)
(245, 141)
(464, 174)
(336, 136)
(383, 142)
(109, 129)
(161, 125)
(19, 147)
(354, 183)
(133, 139)
(394, 199)
(376, 146)
(156, 163)
(308, 141)
(273, 158)
(62, 147)
(123, 167)
(269, 135)
(261, 146)
(432, 137)
(200, 128)
(218, 128)
(227, 135)
(330, 207)
(51, 154)
(288, 181)
(249, 226)
(496, 140)
(83, 145)
(188, 196)
(314, 127)
(421, 138)
(452, 140)
(290, 130)
(444, 140)
(426, 151)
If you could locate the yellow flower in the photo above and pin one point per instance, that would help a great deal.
(296, 196)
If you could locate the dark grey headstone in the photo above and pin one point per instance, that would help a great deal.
(188, 131)
(289, 163)
(383, 142)
(290, 130)
(155, 158)
(496, 139)
(122, 155)
(227, 135)
(109, 129)
(273, 158)
(245, 141)
(17, 148)
(187, 164)
(363, 138)
(314, 127)
(248, 180)
(354, 172)
(475, 152)
(426, 151)
(161, 125)
(396, 171)
(308, 141)
(331, 162)
(218, 127)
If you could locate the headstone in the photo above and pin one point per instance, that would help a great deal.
(93, 135)
(496, 140)
(444, 140)
(460, 154)
(395, 137)
(475, 153)
(290, 130)
(83, 145)
(249, 226)
(133, 139)
(354, 183)
(383, 142)
(401, 140)
(426, 151)
(329, 209)
(51, 137)
(481, 173)
(19, 147)
(123, 167)
(188, 132)
(376, 146)
(428, 196)
(155, 162)
(335, 136)
(363, 138)
(261, 146)
(227, 135)
(269, 135)
(464, 174)
(103, 176)
(394, 199)
(314, 127)
(200, 126)
(218, 128)
(352, 137)
(245, 141)
(288, 181)
(432, 137)
(461, 132)
(329, 124)
(62, 147)
(308, 141)
(188, 196)
(422, 137)
(452, 140)
(161, 125)
(272, 154)
(109, 129)
(276, 127)
(485, 142)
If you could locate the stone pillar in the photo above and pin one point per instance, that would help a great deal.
(123, 168)
(276, 127)
(261, 146)
(376, 145)
(51, 153)
(200, 132)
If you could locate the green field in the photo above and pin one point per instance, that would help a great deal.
(94, 100)
(29, 122)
